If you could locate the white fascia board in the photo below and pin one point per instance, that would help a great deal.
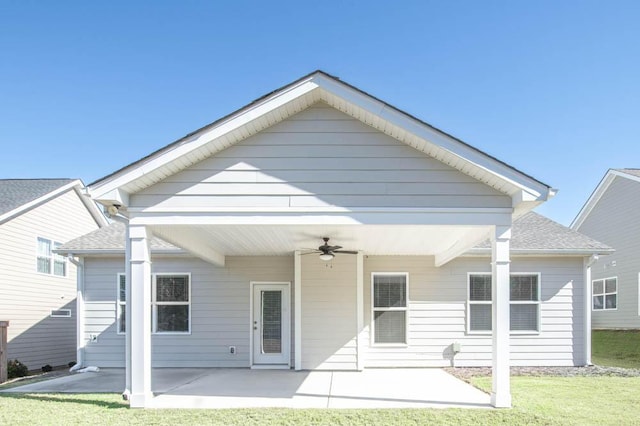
(19, 210)
(597, 193)
(204, 137)
(472, 217)
(473, 157)
(541, 252)
(114, 252)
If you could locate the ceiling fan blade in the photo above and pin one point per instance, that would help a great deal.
(313, 251)
(345, 251)
(333, 248)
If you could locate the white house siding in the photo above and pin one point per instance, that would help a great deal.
(329, 313)
(319, 157)
(614, 220)
(437, 314)
(220, 309)
(28, 297)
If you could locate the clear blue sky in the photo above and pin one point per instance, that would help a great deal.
(550, 87)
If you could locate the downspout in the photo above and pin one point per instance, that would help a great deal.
(588, 262)
(80, 340)
(127, 270)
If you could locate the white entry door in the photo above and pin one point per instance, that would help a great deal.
(271, 324)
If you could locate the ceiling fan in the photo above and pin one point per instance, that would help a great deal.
(328, 252)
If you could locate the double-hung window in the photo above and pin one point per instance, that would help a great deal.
(171, 303)
(121, 308)
(49, 262)
(605, 294)
(389, 308)
(524, 297)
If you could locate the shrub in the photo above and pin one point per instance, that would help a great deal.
(16, 369)
(71, 364)
(47, 368)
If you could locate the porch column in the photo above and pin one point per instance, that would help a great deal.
(297, 287)
(360, 311)
(127, 313)
(501, 391)
(140, 325)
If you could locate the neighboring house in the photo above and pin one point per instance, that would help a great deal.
(38, 287)
(611, 216)
(211, 265)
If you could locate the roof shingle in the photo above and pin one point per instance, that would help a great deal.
(15, 193)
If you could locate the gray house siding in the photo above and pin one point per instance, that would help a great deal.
(614, 220)
(319, 157)
(220, 310)
(35, 338)
(437, 312)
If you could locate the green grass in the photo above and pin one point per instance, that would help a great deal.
(616, 348)
(537, 400)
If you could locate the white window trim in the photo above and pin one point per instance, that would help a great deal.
(372, 334)
(517, 302)
(478, 302)
(154, 305)
(52, 259)
(119, 303)
(604, 293)
(66, 315)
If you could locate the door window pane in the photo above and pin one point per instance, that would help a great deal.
(271, 321)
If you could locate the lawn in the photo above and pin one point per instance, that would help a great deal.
(616, 348)
(537, 400)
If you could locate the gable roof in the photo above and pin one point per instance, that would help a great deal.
(605, 182)
(19, 195)
(282, 103)
(531, 234)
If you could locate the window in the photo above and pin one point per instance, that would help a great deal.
(171, 303)
(524, 296)
(61, 313)
(121, 308)
(479, 303)
(605, 294)
(389, 308)
(49, 262)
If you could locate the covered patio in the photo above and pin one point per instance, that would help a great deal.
(246, 388)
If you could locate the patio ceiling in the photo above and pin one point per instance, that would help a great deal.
(213, 242)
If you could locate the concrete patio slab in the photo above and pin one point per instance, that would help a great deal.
(245, 388)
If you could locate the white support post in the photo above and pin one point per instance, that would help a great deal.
(140, 325)
(360, 310)
(297, 285)
(127, 313)
(80, 338)
(501, 390)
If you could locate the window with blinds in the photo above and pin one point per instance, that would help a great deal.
(171, 303)
(524, 296)
(49, 262)
(389, 308)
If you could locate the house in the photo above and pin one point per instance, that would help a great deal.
(38, 287)
(321, 228)
(610, 215)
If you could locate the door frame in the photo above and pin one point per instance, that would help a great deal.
(286, 325)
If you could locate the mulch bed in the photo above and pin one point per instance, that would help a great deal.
(466, 373)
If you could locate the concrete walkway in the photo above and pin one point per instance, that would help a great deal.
(244, 388)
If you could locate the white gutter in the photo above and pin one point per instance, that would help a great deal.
(80, 340)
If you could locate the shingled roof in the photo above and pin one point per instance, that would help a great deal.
(531, 233)
(15, 193)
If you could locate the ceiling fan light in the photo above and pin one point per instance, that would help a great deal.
(326, 257)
